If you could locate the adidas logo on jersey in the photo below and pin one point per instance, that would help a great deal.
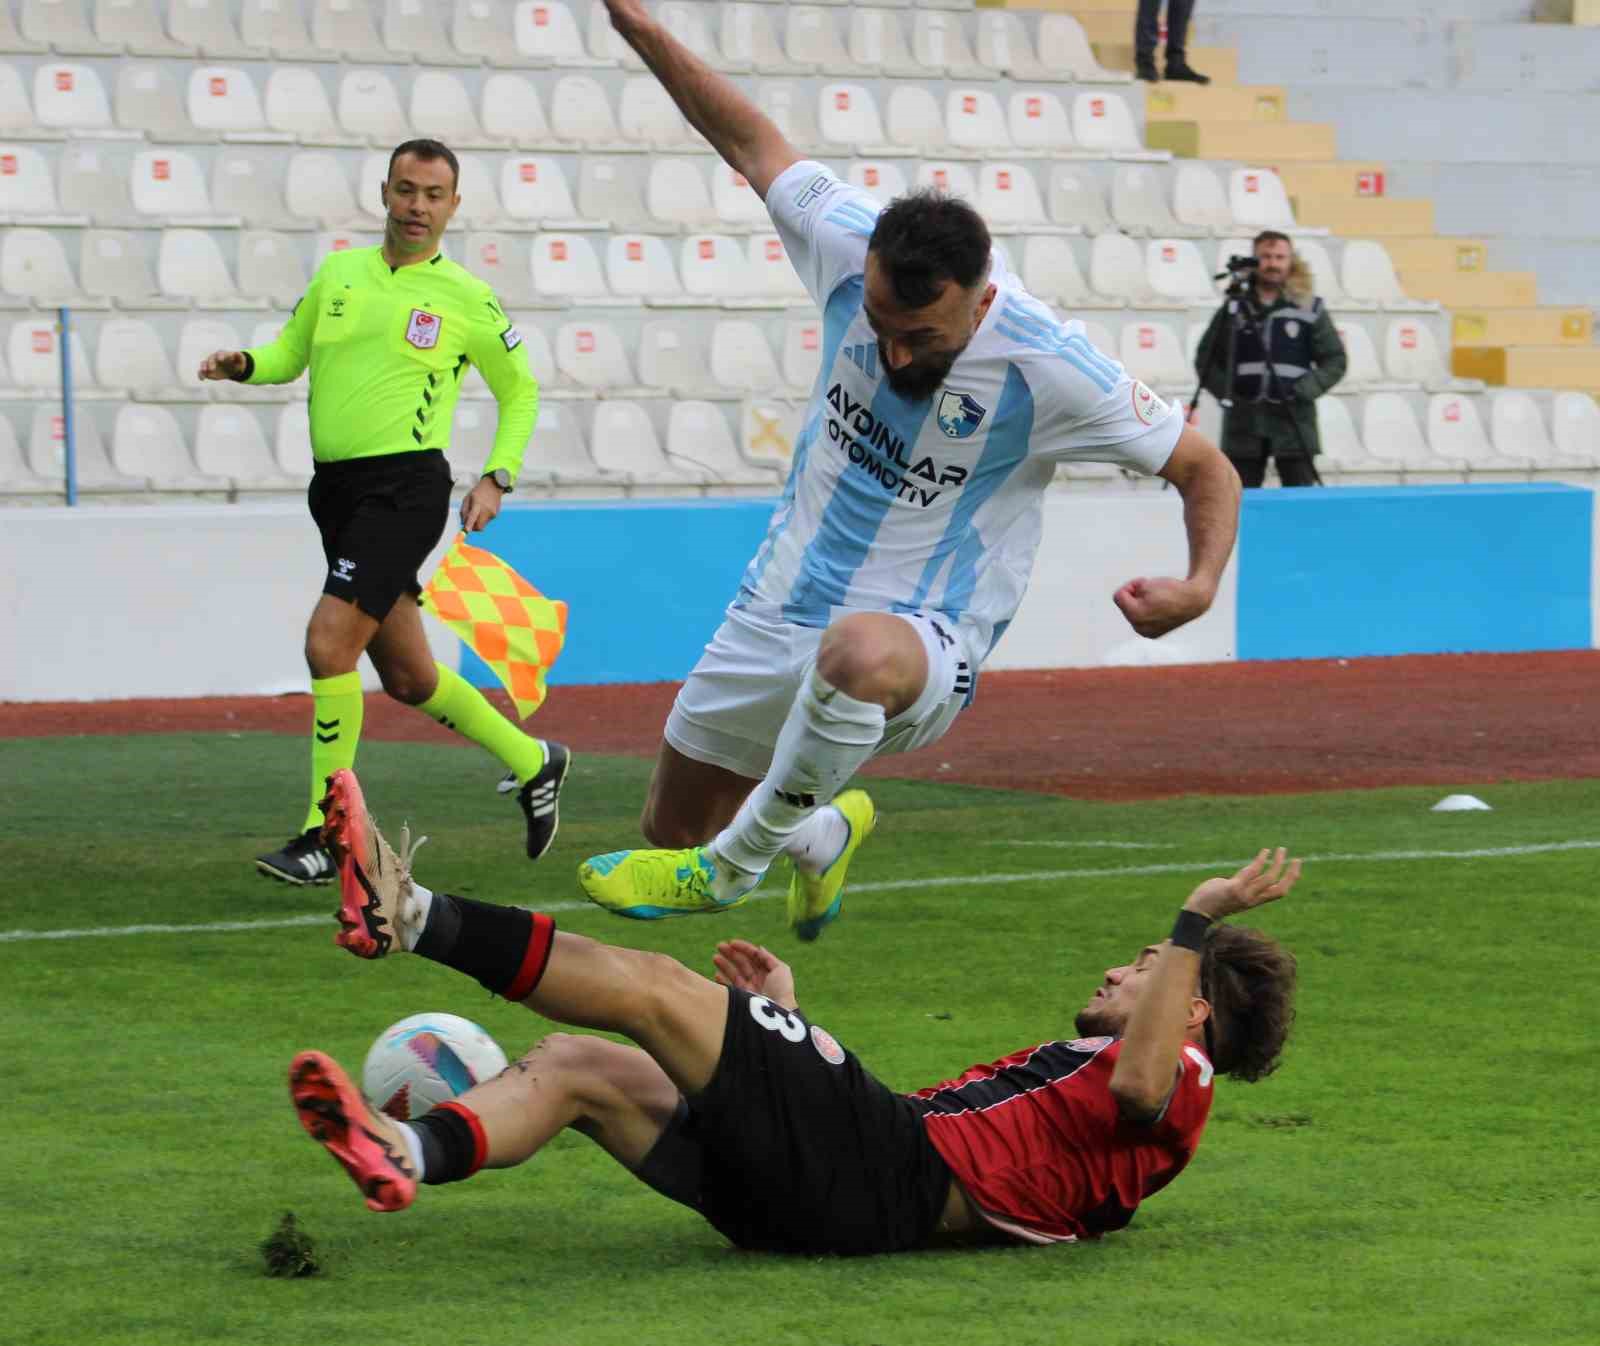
(864, 357)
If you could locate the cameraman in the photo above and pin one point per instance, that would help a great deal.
(1286, 354)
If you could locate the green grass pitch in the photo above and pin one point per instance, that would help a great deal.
(1422, 1170)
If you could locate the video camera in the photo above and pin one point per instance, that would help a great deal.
(1238, 268)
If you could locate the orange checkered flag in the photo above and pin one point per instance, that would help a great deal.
(508, 623)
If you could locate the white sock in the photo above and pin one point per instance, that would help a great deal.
(819, 841)
(414, 916)
(413, 1144)
(824, 741)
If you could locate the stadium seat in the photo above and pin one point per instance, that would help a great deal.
(270, 268)
(369, 107)
(1411, 355)
(148, 100)
(1004, 47)
(801, 353)
(647, 116)
(147, 442)
(1199, 201)
(625, 443)
(198, 338)
(877, 42)
(768, 428)
(112, 265)
(604, 44)
(557, 456)
(1050, 272)
(16, 477)
(676, 194)
(511, 111)
(1517, 430)
(229, 443)
(189, 266)
(34, 266)
(793, 110)
(1117, 270)
(686, 22)
(847, 114)
(771, 275)
(66, 97)
(950, 177)
(135, 27)
(471, 440)
(265, 26)
(12, 42)
(415, 29)
(1139, 204)
(1257, 198)
(534, 188)
(914, 122)
(750, 42)
(297, 104)
(223, 99)
(939, 44)
(566, 267)
(735, 206)
(546, 33)
(1369, 278)
(673, 356)
(168, 184)
(715, 270)
(347, 28)
(1391, 434)
(248, 185)
(504, 263)
(1038, 123)
(542, 360)
(1575, 424)
(94, 186)
(975, 121)
(1008, 198)
(1324, 274)
(26, 191)
(481, 30)
(639, 267)
(741, 359)
(609, 196)
(1363, 372)
(440, 101)
(47, 454)
(63, 25)
(699, 439)
(1077, 201)
(882, 178)
(1101, 123)
(580, 113)
(592, 355)
(1455, 431)
(291, 442)
(811, 38)
(1064, 50)
(1343, 456)
(1175, 270)
(316, 189)
(1151, 351)
(17, 119)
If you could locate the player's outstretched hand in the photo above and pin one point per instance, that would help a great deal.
(222, 365)
(1155, 606)
(749, 967)
(1265, 879)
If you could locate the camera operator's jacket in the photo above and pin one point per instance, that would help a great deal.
(1307, 358)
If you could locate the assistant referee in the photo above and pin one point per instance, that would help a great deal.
(388, 333)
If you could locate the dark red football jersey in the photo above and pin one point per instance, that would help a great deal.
(1038, 1142)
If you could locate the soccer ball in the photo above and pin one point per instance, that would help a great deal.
(426, 1060)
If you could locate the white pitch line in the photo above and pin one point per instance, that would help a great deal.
(1093, 845)
(893, 885)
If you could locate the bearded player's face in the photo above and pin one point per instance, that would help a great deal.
(1111, 1006)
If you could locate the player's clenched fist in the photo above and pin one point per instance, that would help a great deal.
(222, 365)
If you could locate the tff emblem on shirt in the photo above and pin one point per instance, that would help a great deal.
(423, 330)
(960, 414)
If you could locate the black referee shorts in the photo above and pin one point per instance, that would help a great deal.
(794, 1147)
(379, 518)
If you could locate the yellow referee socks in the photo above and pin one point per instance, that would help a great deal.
(458, 705)
(335, 732)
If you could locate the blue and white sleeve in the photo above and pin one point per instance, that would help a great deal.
(824, 225)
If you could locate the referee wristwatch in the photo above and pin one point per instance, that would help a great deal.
(501, 478)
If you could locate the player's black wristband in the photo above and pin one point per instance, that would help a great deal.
(1189, 930)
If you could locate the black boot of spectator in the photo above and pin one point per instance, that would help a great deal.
(1144, 67)
(1182, 70)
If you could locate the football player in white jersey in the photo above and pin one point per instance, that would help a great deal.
(908, 526)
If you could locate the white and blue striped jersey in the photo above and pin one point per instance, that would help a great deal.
(931, 506)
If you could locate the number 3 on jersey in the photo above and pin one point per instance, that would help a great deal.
(768, 1015)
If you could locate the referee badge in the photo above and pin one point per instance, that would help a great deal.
(423, 330)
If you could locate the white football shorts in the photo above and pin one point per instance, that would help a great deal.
(735, 700)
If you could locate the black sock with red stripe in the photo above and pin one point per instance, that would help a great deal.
(505, 948)
(452, 1140)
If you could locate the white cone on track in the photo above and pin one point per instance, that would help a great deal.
(1460, 804)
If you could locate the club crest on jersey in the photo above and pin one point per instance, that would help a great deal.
(1090, 1044)
(1146, 405)
(960, 414)
(422, 331)
(827, 1046)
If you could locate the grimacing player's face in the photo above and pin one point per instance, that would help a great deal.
(1111, 1006)
(919, 346)
(419, 199)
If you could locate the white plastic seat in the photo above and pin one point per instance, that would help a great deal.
(877, 42)
(675, 193)
(1004, 47)
(47, 453)
(270, 267)
(699, 439)
(939, 43)
(624, 442)
(482, 30)
(1008, 197)
(224, 99)
(847, 114)
(113, 266)
(1152, 352)
(1077, 201)
(883, 178)
(1343, 454)
(168, 183)
(1412, 355)
(34, 265)
(504, 263)
(686, 22)
(1050, 272)
(715, 269)
(673, 356)
(471, 440)
(146, 441)
(1117, 270)
(17, 118)
(950, 177)
(609, 195)
(811, 38)
(1455, 431)
(190, 266)
(1199, 201)
(1175, 270)
(346, 26)
(1064, 49)
(1258, 201)
(559, 457)
(646, 115)
(198, 338)
(605, 44)
(248, 185)
(534, 187)
(1368, 276)
(511, 110)
(1037, 122)
(734, 202)
(1101, 122)
(638, 266)
(750, 42)
(370, 107)
(542, 360)
(580, 113)
(914, 122)
(229, 443)
(265, 26)
(66, 97)
(1392, 435)
(316, 189)
(135, 26)
(26, 191)
(1575, 425)
(148, 100)
(414, 28)
(1362, 368)
(440, 102)
(771, 275)
(768, 428)
(546, 33)
(291, 442)
(793, 110)
(975, 120)
(94, 187)
(741, 359)
(1517, 430)
(297, 104)
(62, 24)
(801, 353)
(565, 266)
(16, 477)
(591, 354)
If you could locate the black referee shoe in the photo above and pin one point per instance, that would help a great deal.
(541, 798)
(302, 860)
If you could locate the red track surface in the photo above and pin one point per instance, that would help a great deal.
(1134, 733)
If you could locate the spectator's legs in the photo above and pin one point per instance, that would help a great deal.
(1146, 33)
(1296, 469)
(1178, 12)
